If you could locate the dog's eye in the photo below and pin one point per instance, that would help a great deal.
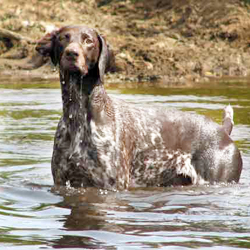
(88, 41)
(64, 37)
(67, 36)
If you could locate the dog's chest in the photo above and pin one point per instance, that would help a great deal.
(103, 140)
(92, 156)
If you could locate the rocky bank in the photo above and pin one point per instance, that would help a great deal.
(165, 41)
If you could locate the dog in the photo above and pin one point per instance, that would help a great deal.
(107, 143)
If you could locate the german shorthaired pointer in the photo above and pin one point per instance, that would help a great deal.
(107, 143)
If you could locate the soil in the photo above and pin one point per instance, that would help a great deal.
(167, 41)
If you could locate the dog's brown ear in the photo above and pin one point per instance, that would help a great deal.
(103, 63)
(46, 46)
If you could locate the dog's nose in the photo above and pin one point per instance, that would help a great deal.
(72, 53)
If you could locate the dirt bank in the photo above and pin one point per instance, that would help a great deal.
(173, 41)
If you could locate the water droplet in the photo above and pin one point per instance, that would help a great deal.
(63, 82)
(68, 184)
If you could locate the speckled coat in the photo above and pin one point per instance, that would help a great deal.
(108, 143)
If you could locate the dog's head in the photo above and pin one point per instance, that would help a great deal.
(76, 49)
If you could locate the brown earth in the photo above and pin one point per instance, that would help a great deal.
(171, 41)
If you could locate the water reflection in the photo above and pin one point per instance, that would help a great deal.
(36, 215)
(155, 218)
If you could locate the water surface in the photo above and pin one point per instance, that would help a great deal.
(34, 215)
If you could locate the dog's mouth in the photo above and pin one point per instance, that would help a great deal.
(72, 81)
(75, 69)
(77, 66)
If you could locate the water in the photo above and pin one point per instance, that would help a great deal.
(34, 215)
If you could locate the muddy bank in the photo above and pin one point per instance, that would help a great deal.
(174, 41)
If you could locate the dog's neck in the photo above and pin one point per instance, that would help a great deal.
(83, 97)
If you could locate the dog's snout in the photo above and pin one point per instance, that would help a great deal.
(72, 53)
(74, 58)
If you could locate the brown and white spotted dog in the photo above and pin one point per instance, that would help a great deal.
(108, 143)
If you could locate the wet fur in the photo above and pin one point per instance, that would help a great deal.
(107, 143)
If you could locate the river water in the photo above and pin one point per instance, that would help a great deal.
(34, 215)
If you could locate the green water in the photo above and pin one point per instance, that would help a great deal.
(34, 215)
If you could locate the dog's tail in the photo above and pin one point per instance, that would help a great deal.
(228, 122)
